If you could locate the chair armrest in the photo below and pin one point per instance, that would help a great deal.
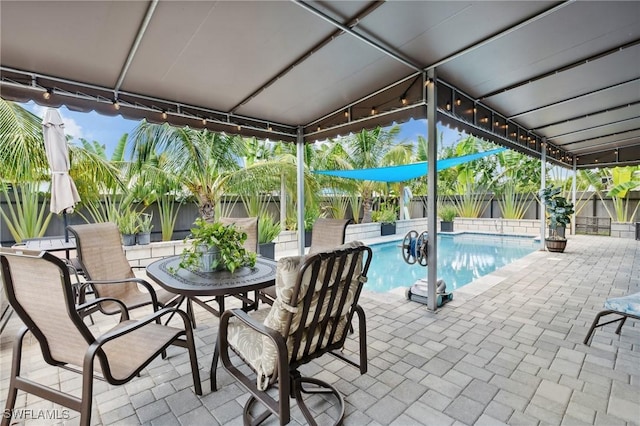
(144, 283)
(124, 312)
(110, 335)
(273, 335)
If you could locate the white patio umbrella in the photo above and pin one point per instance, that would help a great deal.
(64, 194)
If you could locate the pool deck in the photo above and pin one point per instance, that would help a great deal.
(507, 350)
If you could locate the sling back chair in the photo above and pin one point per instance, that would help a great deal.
(623, 307)
(109, 273)
(316, 300)
(327, 235)
(38, 288)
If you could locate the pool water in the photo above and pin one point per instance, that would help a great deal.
(462, 258)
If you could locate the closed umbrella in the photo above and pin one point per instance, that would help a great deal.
(64, 194)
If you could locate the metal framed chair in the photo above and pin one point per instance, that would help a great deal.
(38, 287)
(316, 300)
(109, 273)
(327, 235)
(623, 307)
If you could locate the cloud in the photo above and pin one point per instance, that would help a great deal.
(71, 127)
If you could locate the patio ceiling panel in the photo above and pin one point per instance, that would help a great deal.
(339, 73)
(43, 36)
(573, 32)
(206, 53)
(232, 63)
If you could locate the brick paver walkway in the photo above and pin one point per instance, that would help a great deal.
(507, 350)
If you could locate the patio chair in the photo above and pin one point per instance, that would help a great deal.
(109, 273)
(316, 300)
(624, 307)
(327, 235)
(38, 288)
(248, 225)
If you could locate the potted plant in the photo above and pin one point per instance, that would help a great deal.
(559, 211)
(447, 213)
(214, 246)
(387, 218)
(144, 229)
(127, 222)
(311, 214)
(268, 230)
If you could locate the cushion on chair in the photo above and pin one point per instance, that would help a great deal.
(629, 304)
(285, 315)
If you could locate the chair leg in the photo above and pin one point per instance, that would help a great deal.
(321, 387)
(214, 366)
(596, 324)
(362, 335)
(87, 394)
(16, 363)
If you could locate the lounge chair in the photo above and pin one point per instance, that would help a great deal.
(38, 288)
(317, 297)
(109, 273)
(624, 307)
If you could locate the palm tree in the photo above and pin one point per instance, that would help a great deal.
(368, 149)
(25, 166)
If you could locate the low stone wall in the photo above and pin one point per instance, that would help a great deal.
(498, 226)
(360, 231)
(286, 241)
(143, 255)
(623, 230)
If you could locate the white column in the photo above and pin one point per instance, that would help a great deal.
(432, 220)
(300, 187)
(543, 184)
(573, 195)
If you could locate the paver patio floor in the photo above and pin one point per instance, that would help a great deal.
(507, 350)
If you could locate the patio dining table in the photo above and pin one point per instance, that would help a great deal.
(218, 284)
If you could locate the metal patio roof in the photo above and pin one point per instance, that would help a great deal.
(530, 75)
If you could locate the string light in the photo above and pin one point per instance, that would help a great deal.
(458, 102)
(204, 121)
(47, 94)
(403, 100)
(346, 113)
(373, 111)
(116, 104)
(448, 106)
(164, 115)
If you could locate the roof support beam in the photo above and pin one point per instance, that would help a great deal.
(581, 117)
(600, 126)
(376, 45)
(134, 47)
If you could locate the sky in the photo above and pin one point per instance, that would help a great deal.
(108, 130)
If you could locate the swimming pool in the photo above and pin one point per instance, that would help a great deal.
(461, 259)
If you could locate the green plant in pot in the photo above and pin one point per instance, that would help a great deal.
(127, 222)
(559, 211)
(144, 228)
(214, 246)
(447, 213)
(387, 217)
(268, 230)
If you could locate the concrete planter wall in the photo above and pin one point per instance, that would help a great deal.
(361, 231)
(623, 230)
(499, 226)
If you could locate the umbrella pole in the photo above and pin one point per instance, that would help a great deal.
(66, 231)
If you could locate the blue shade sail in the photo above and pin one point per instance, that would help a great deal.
(406, 171)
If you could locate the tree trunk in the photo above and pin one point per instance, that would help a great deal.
(366, 209)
